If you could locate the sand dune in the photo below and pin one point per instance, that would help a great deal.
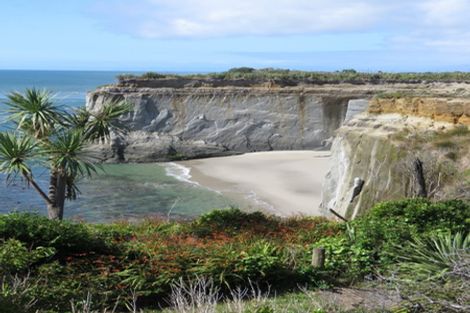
(283, 182)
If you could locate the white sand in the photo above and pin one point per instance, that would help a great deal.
(285, 183)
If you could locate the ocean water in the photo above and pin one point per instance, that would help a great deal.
(120, 191)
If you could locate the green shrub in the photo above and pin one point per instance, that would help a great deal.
(16, 294)
(422, 214)
(243, 70)
(15, 257)
(230, 247)
(260, 260)
(37, 231)
(344, 76)
(153, 75)
(370, 243)
(229, 221)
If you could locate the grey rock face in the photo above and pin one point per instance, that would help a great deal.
(169, 123)
(355, 107)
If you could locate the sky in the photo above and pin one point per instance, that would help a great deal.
(215, 35)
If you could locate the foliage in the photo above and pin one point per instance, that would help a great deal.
(233, 249)
(435, 273)
(437, 256)
(13, 151)
(15, 257)
(344, 76)
(34, 111)
(17, 294)
(370, 243)
(65, 237)
(149, 256)
(55, 138)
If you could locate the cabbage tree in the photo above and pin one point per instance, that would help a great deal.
(48, 136)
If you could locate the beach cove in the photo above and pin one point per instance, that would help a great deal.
(283, 183)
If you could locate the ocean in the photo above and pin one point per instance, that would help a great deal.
(119, 191)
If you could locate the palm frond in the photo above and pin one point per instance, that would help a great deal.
(78, 119)
(106, 120)
(15, 152)
(68, 154)
(34, 111)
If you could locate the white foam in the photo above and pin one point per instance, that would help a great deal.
(180, 172)
(254, 198)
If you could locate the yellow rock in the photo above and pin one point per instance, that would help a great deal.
(456, 111)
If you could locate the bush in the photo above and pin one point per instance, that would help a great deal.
(229, 221)
(15, 257)
(243, 70)
(423, 215)
(344, 76)
(36, 231)
(230, 247)
(153, 75)
(370, 243)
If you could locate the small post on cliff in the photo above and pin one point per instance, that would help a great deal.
(419, 171)
(318, 257)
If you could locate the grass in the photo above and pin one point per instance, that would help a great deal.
(454, 143)
(445, 144)
(344, 76)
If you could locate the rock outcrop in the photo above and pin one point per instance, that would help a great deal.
(376, 138)
(182, 123)
(451, 110)
(380, 150)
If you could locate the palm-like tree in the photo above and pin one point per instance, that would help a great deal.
(56, 139)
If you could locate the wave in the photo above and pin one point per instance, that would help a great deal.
(253, 197)
(180, 172)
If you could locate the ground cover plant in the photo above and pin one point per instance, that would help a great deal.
(47, 265)
(344, 76)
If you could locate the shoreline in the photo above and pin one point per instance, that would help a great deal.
(284, 183)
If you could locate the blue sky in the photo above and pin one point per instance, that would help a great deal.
(212, 35)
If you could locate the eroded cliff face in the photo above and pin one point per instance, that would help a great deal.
(451, 110)
(376, 138)
(379, 148)
(177, 123)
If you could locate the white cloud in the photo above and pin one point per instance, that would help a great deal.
(214, 18)
(445, 13)
(421, 24)
(441, 25)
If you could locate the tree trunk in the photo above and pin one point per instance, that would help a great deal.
(419, 171)
(57, 184)
(60, 195)
(53, 212)
(53, 186)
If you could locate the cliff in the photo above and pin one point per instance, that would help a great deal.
(379, 131)
(184, 118)
(379, 149)
(181, 123)
(451, 110)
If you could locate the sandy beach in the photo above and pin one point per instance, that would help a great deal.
(284, 183)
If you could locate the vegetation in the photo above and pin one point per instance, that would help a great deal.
(344, 76)
(47, 135)
(227, 255)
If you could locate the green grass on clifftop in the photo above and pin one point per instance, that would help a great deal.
(344, 76)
